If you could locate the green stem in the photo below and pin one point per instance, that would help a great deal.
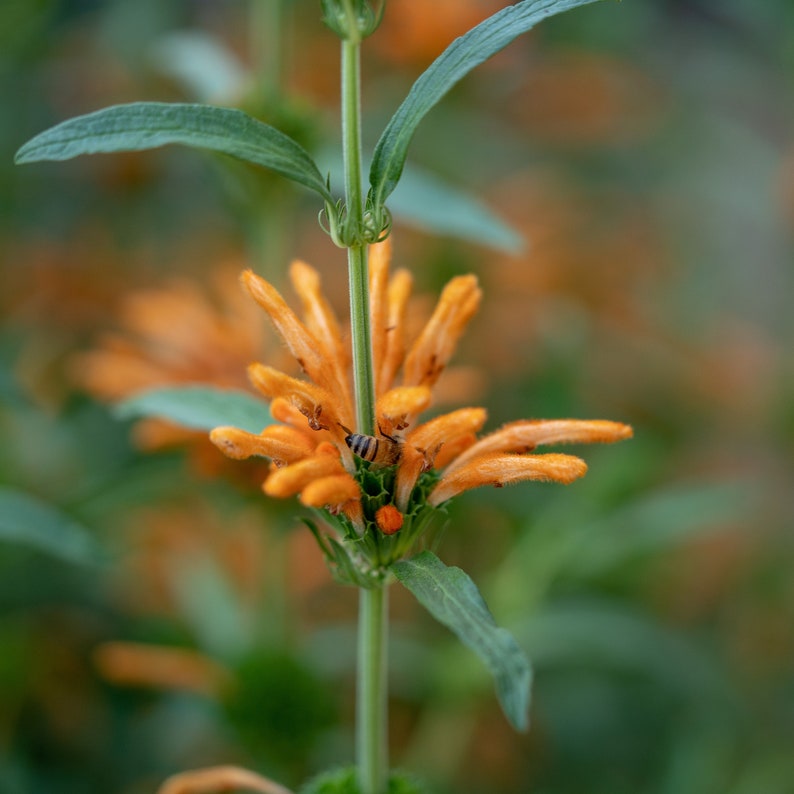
(371, 713)
(358, 273)
(371, 692)
(267, 34)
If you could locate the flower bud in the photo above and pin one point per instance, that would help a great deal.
(389, 519)
(353, 20)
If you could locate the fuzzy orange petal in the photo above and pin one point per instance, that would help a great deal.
(506, 469)
(289, 480)
(430, 353)
(443, 429)
(280, 446)
(320, 318)
(427, 440)
(402, 403)
(399, 291)
(379, 257)
(301, 342)
(525, 435)
(314, 402)
(334, 491)
(218, 779)
(139, 664)
(413, 462)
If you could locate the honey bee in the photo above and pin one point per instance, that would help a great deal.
(383, 451)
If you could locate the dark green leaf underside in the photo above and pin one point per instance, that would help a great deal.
(453, 599)
(199, 407)
(148, 125)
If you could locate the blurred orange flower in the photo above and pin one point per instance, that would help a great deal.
(178, 333)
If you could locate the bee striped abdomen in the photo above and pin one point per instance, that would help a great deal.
(365, 447)
(385, 451)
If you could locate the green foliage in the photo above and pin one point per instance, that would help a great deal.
(343, 781)
(424, 201)
(463, 55)
(149, 125)
(27, 521)
(278, 707)
(199, 407)
(454, 600)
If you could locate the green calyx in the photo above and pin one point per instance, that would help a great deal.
(374, 226)
(363, 559)
(352, 20)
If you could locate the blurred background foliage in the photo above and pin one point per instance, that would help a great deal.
(158, 614)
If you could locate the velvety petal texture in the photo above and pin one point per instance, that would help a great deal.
(314, 449)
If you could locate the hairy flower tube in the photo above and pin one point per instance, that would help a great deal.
(380, 492)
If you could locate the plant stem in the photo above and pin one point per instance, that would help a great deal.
(371, 711)
(358, 273)
(371, 693)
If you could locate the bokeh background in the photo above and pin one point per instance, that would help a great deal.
(157, 613)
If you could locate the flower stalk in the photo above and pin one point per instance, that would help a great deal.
(371, 692)
(371, 704)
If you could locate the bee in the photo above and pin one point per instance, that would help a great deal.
(383, 451)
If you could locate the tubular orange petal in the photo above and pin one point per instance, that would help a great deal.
(452, 448)
(282, 410)
(300, 341)
(399, 291)
(379, 257)
(314, 402)
(446, 428)
(292, 479)
(426, 441)
(430, 353)
(506, 469)
(402, 403)
(333, 491)
(412, 463)
(320, 318)
(139, 664)
(525, 435)
(239, 444)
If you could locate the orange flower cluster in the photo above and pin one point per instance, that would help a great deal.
(311, 447)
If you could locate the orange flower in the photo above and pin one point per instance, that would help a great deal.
(385, 485)
(174, 334)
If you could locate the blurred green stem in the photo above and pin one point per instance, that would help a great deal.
(267, 36)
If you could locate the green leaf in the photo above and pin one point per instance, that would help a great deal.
(463, 55)
(422, 200)
(198, 407)
(28, 521)
(454, 600)
(425, 201)
(148, 125)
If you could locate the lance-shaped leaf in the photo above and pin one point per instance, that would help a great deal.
(148, 125)
(198, 407)
(425, 202)
(454, 600)
(463, 55)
